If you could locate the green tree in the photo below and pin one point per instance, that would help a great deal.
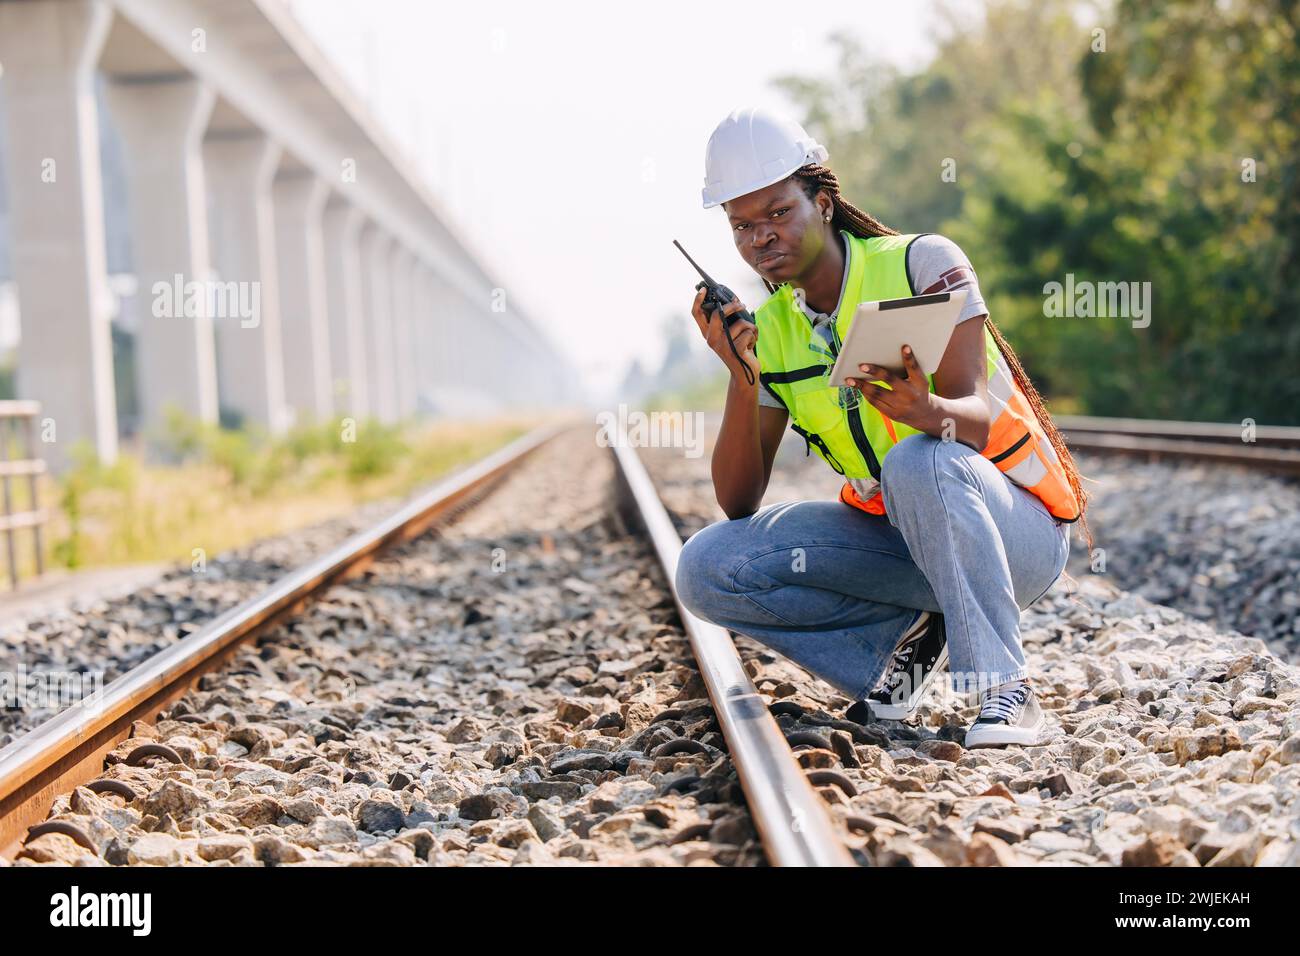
(1117, 156)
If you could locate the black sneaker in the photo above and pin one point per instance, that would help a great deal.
(922, 652)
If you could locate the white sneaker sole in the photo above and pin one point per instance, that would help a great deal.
(996, 735)
(908, 707)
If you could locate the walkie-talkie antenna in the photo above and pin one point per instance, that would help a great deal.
(707, 277)
(716, 297)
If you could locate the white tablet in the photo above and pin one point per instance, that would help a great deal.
(879, 331)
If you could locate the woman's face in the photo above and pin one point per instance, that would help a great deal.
(778, 230)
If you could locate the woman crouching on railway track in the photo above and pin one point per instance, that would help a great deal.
(959, 493)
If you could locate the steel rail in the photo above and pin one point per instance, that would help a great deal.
(68, 749)
(1229, 433)
(792, 820)
(1277, 459)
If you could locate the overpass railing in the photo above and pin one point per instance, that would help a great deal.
(19, 460)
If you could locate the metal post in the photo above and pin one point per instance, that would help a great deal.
(5, 435)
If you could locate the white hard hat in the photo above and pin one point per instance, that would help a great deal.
(753, 148)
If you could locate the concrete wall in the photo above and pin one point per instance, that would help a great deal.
(213, 145)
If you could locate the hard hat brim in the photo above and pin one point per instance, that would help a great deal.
(716, 197)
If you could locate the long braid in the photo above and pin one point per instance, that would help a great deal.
(845, 215)
(1049, 427)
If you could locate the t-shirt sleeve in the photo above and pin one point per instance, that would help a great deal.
(936, 264)
(765, 398)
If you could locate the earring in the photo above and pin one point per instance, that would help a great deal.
(828, 218)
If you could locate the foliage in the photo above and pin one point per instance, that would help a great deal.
(1122, 164)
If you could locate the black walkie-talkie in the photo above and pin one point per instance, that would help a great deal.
(716, 296)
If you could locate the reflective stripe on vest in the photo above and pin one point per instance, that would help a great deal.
(855, 442)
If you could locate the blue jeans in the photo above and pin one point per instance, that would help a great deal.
(833, 588)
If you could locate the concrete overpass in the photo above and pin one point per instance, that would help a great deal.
(289, 263)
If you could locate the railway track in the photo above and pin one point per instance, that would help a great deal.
(1271, 448)
(686, 714)
(790, 816)
(90, 746)
(69, 749)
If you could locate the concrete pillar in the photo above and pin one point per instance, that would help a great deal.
(455, 341)
(478, 349)
(488, 327)
(346, 309)
(495, 365)
(65, 360)
(524, 362)
(250, 364)
(546, 366)
(427, 323)
(161, 123)
(405, 309)
(304, 323)
(439, 337)
(442, 367)
(376, 283)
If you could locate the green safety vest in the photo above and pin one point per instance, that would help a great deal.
(853, 442)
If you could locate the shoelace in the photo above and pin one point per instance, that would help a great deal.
(899, 663)
(1006, 705)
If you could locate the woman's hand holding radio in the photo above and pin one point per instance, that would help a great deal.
(716, 332)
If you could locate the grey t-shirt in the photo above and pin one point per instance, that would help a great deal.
(934, 264)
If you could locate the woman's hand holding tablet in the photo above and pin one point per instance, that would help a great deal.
(879, 331)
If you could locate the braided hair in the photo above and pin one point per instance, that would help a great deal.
(813, 178)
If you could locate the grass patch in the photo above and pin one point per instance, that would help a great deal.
(218, 489)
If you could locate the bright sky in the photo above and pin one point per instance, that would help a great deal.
(566, 140)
